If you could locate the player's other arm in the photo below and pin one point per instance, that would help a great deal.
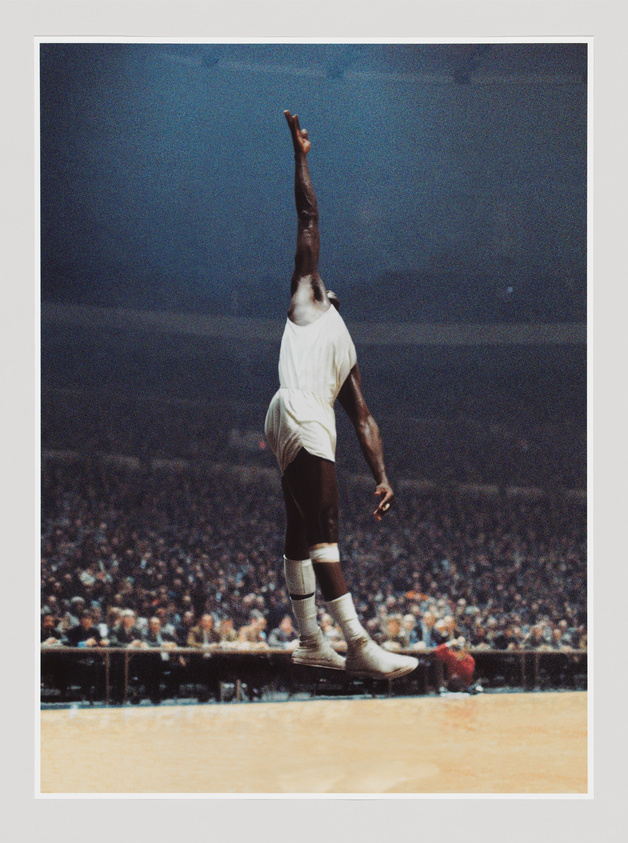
(308, 243)
(367, 430)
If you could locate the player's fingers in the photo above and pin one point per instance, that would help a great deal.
(382, 509)
(292, 122)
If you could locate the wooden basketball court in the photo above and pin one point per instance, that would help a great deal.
(524, 743)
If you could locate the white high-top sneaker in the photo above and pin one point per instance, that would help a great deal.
(316, 651)
(366, 658)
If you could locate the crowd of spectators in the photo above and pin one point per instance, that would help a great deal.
(183, 546)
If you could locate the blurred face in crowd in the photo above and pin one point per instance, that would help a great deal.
(128, 621)
(258, 624)
(86, 621)
(207, 622)
(428, 619)
(48, 622)
(393, 627)
(286, 624)
(409, 622)
(154, 625)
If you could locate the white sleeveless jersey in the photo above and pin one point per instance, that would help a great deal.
(314, 362)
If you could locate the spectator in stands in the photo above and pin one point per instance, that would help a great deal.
(51, 603)
(85, 634)
(557, 641)
(89, 672)
(408, 626)
(535, 639)
(253, 635)
(184, 627)
(50, 635)
(163, 667)
(54, 668)
(566, 633)
(284, 636)
(426, 629)
(112, 619)
(168, 621)
(202, 669)
(228, 635)
(394, 637)
(203, 635)
(440, 632)
(125, 634)
(74, 613)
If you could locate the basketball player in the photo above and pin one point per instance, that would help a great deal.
(317, 364)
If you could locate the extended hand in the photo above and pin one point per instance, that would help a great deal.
(387, 496)
(300, 140)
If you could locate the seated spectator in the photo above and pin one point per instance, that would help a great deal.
(50, 635)
(89, 673)
(440, 633)
(426, 630)
(408, 626)
(85, 634)
(228, 635)
(203, 636)
(394, 637)
(184, 627)
(161, 668)
(74, 612)
(54, 668)
(284, 636)
(566, 634)
(167, 621)
(252, 636)
(535, 639)
(125, 634)
(112, 619)
(479, 639)
(557, 641)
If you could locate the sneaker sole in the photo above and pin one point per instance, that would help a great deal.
(373, 674)
(317, 663)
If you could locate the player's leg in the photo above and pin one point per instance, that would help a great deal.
(311, 481)
(313, 649)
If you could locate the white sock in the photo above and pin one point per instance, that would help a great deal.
(343, 612)
(301, 583)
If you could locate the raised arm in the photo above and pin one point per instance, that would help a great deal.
(369, 437)
(306, 257)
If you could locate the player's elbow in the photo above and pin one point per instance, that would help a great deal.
(307, 216)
